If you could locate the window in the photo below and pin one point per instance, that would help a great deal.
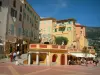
(69, 29)
(24, 16)
(28, 8)
(32, 24)
(0, 5)
(35, 17)
(25, 5)
(33, 14)
(20, 17)
(80, 32)
(48, 29)
(14, 3)
(81, 27)
(13, 13)
(55, 30)
(30, 11)
(35, 26)
(19, 31)
(20, 8)
(62, 29)
(12, 29)
(27, 18)
(30, 20)
(31, 34)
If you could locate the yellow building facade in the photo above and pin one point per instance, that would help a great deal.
(42, 54)
(75, 32)
(81, 36)
(65, 28)
(51, 55)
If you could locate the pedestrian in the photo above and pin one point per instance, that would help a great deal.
(96, 62)
(11, 56)
(86, 62)
(18, 54)
(69, 62)
(14, 55)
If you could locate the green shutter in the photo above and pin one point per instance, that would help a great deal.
(69, 29)
(12, 29)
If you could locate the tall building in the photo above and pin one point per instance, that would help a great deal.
(50, 28)
(46, 27)
(19, 25)
(81, 35)
(65, 28)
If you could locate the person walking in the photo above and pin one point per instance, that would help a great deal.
(14, 55)
(96, 62)
(18, 54)
(11, 56)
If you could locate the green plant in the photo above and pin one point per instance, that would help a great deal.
(61, 39)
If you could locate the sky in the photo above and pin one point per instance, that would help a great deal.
(86, 12)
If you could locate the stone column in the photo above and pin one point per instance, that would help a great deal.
(29, 59)
(37, 58)
(66, 59)
(58, 59)
(47, 60)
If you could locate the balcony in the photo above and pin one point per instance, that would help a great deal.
(62, 24)
(45, 46)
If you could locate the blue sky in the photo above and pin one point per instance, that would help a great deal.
(86, 12)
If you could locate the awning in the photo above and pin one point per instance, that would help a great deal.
(1, 44)
(82, 55)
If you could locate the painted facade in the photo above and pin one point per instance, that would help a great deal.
(42, 54)
(81, 35)
(50, 55)
(53, 27)
(68, 31)
(46, 27)
(18, 23)
(75, 32)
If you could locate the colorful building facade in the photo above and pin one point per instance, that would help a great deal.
(75, 32)
(81, 35)
(19, 25)
(42, 54)
(46, 27)
(65, 28)
(50, 55)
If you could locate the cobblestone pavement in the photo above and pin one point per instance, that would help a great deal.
(11, 69)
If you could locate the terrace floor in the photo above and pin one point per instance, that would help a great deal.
(8, 68)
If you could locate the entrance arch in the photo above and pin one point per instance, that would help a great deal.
(62, 59)
(54, 57)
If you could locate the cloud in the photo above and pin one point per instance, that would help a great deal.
(62, 3)
(58, 6)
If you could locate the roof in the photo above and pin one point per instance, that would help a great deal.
(80, 26)
(49, 18)
(59, 21)
(66, 20)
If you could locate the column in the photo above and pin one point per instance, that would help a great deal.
(29, 59)
(47, 60)
(66, 59)
(37, 58)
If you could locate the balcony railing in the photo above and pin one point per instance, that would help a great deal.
(45, 46)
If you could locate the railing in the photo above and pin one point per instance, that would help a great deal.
(45, 46)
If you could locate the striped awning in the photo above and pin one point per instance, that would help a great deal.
(82, 55)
